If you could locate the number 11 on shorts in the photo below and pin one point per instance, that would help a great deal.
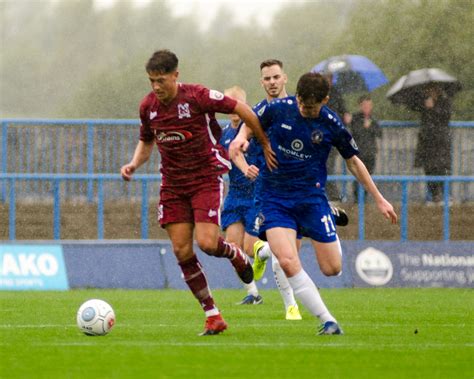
(328, 224)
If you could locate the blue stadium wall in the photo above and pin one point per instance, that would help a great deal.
(152, 265)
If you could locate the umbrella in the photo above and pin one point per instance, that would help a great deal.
(352, 73)
(410, 89)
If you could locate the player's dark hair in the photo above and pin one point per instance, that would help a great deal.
(271, 62)
(363, 98)
(312, 86)
(162, 61)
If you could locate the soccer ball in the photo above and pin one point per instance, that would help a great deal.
(95, 317)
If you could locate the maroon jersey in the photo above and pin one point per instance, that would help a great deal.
(187, 133)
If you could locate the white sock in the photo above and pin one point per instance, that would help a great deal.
(306, 292)
(282, 283)
(251, 288)
(265, 252)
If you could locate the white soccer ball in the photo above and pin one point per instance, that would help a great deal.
(95, 317)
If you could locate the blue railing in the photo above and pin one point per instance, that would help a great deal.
(103, 146)
(145, 181)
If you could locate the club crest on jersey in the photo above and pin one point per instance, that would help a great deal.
(317, 136)
(172, 137)
(215, 95)
(153, 115)
(183, 111)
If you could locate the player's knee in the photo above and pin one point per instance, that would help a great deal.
(331, 270)
(289, 264)
(207, 245)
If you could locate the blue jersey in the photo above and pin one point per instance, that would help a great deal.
(239, 203)
(238, 183)
(302, 146)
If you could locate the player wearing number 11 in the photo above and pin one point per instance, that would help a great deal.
(302, 131)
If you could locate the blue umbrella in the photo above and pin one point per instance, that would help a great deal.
(352, 73)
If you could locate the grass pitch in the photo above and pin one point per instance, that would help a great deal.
(389, 333)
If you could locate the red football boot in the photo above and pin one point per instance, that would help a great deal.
(214, 325)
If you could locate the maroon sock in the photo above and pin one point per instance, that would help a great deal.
(225, 249)
(196, 280)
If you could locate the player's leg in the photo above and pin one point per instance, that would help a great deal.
(317, 221)
(253, 246)
(206, 203)
(292, 312)
(181, 236)
(252, 297)
(329, 256)
(339, 214)
(283, 244)
(209, 240)
(235, 233)
(262, 253)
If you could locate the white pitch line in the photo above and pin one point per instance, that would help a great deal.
(285, 345)
(279, 323)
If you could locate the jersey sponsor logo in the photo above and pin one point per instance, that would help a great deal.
(172, 137)
(153, 115)
(215, 95)
(297, 145)
(183, 111)
(296, 154)
(317, 136)
(287, 127)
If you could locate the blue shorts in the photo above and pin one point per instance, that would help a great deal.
(308, 216)
(239, 210)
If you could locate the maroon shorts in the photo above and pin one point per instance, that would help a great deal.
(198, 203)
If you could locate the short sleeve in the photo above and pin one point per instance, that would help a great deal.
(211, 100)
(345, 143)
(146, 134)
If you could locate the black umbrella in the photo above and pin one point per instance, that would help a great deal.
(410, 89)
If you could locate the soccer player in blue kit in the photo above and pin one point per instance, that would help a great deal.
(238, 214)
(302, 131)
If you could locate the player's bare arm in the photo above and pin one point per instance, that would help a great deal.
(250, 171)
(241, 141)
(358, 169)
(251, 120)
(141, 155)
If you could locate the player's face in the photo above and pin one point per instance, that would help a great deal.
(310, 108)
(273, 81)
(164, 85)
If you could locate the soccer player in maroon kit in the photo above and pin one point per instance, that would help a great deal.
(180, 119)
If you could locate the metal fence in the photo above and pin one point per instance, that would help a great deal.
(144, 182)
(103, 146)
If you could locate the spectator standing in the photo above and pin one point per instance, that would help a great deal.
(337, 104)
(433, 151)
(365, 130)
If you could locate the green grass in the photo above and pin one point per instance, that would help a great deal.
(156, 336)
